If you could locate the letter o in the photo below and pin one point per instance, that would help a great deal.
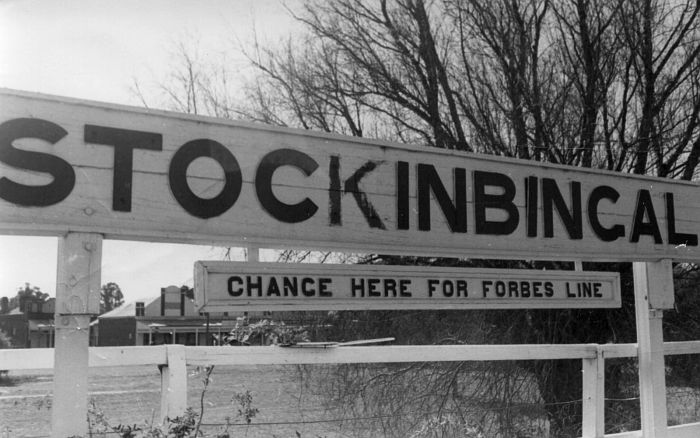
(448, 288)
(193, 204)
(500, 289)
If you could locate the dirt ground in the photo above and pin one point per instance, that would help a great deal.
(131, 395)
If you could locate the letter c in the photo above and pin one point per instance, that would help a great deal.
(289, 213)
(605, 234)
(235, 286)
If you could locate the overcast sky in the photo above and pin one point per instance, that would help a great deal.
(94, 49)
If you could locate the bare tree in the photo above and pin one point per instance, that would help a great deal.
(592, 83)
(660, 111)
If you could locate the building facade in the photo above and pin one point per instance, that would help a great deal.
(170, 318)
(31, 324)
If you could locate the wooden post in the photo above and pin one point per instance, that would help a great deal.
(593, 424)
(77, 299)
(173, 383)
(253, 254)
(653, 291)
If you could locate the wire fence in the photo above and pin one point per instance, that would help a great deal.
(304, 399)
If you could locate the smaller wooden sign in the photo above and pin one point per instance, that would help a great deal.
(236, 286)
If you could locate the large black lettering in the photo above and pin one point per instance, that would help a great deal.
(548, 289)
(531, 203)
(503, 201)
(597, 195)
(307, 287)
(124, 142)
(291, 286)
(352, 185)
(675, 238)
(456, 214)
(645, 207)
(235, 286)
(323, 287)
(334, 191)
(402, 190)
(289, 213)
(61, 171)
(254, 284)
(357, 286)
(273, 288)
(552, 199)
(177, 174)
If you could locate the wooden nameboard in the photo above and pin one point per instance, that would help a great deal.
(243, 286)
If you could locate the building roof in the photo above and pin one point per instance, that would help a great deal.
(126, 310)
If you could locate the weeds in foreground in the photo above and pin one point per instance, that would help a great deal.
(186, 426)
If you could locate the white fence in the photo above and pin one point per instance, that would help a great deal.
(173, 360)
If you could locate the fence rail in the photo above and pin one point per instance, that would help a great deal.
(42, 358)
(174, 359)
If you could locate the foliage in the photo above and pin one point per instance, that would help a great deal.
(491, 395)
(5, 341)
(683, 324)
(590, 83)
(449, 425)
(186, 426)
(23, 293)
(245, 405)
(31, 291)
(179, 427)
(605, 84)
(264, 332)
(111, 297)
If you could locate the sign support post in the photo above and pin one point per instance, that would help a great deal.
(77, 299)
(252, 254)
(173, 383)
(653, 291)
(593, 410)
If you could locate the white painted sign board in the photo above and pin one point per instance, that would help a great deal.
(234, 286)
(69, 165)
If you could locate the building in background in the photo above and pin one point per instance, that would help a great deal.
(30, 325)
(170, 318)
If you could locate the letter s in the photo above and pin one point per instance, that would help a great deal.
(61, 171)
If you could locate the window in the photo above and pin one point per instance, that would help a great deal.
(140, 309)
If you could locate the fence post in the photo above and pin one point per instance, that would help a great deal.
(593, 410)
(653, 290)
(173, 383)
(253, 254)
(77, 299)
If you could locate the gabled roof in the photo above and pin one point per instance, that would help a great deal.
(123, 311)
(126, 310)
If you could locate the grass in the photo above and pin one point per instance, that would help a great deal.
(131, 395)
